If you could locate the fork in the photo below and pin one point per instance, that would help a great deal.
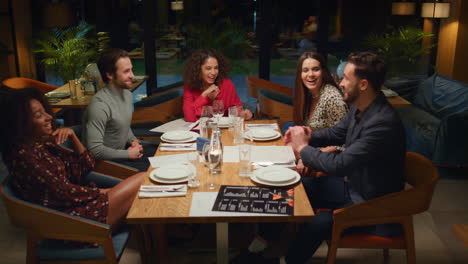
(269, 163)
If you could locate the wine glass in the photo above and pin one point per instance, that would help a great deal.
(214, 158)
(207, 111)
(218, 109)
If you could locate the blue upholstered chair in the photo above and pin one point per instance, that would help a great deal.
(47, 228)
(155, 111)
(275, 105)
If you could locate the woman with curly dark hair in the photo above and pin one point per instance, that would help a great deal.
(206, 79)
(43, 172)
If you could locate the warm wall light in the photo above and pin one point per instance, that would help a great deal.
(403, 8)
(177, 5)
(435, 10)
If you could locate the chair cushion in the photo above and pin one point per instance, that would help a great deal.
(421, 130)
(276, 96)
(50, 249)
(158, 99)
(143, 129)
(442, 96)
(370, 241)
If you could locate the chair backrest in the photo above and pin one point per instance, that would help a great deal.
(47, 222)
(21, 83)
(159, 107)
(275, 105)
(254, 84)
(422, 175)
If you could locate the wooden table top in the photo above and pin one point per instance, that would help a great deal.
(398, 101)
(177, 209)
(83, 100)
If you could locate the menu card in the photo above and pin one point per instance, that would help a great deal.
(254, 199)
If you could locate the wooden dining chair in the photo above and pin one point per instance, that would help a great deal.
(155, 111)
(397, 208)
(46, 229)
(275, 105)
(21, 83)
(254, 84)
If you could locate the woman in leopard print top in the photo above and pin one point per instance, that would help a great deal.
(318, 102)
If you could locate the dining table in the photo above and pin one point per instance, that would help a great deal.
(72, 117)
(147, 212)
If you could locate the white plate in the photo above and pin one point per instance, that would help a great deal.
(192, 138)
(262, 132)
(171, 173)
(275, 174)
(277, 135)
(296, 178)
(224, 122)
(177, 135)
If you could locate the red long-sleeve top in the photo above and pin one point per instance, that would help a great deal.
(194, 102)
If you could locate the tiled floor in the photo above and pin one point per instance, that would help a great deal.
(435, 242)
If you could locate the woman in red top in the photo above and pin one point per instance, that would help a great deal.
(43, 172)
(206, 79)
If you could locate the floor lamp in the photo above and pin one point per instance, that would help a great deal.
(434, 11)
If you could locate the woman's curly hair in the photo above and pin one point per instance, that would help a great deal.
(15, 108)
(192, 67)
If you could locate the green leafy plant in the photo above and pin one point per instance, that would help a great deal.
(229, 37)
(400, 48)
(66, 52)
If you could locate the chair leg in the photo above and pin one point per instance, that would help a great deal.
(409, 241)
(386, 255)
(333, 246)
(109, 250)
(31, 250)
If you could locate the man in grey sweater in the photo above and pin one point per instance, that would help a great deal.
(106, 122)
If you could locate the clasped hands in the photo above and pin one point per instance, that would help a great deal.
(298, 137)
(135, 151)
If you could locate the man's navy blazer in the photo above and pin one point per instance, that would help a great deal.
(374, 155)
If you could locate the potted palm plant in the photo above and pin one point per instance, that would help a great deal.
(66, 52)
(401, 49)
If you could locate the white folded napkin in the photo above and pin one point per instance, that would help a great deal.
(151, 191)
(389, 93)
(272, 126)
(178, 146)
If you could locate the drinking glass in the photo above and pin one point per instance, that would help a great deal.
(218, 109)
(194, 179)
(245, 151)
(233, 113)
(214, 158)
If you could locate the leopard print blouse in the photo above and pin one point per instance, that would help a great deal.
(329, 110)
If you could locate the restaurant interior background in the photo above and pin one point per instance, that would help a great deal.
(260, 37)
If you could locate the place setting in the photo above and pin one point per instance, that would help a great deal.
(179, 136)
(275, 176)
(262, 134)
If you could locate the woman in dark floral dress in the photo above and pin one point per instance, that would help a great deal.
(43, 172)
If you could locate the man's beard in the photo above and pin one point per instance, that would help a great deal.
(352, 96)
